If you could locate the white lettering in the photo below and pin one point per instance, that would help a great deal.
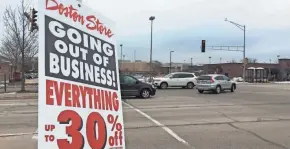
(74, 36)
(54, 63)
(56, 29)
(108, 49)
(60, 46)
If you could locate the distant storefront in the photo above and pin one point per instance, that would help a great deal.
(278, 71)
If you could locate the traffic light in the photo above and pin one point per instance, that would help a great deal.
(32, 20)
(203, 46)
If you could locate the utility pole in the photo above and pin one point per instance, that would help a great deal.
(22, 56)
(220, 60)
(121, 45)
(170, 61)
(243, 28)
(191, 61)
(134, 60)
(152, 18)
(191, 64)
(209, 62)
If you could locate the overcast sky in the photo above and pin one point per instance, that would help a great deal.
(180, 25)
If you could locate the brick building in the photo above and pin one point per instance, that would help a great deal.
(5, 69)
(139, 67)
(236, 69)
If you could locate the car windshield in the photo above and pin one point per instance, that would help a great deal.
(138, 77)
(168, 76)
(204, 78)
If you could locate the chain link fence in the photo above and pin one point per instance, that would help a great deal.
(7, 85)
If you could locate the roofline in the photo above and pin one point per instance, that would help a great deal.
(183, 72)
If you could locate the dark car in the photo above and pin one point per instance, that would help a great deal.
(130, 86)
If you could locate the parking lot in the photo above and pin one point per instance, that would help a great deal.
(255, 116)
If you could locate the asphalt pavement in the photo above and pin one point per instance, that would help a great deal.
(254, 117)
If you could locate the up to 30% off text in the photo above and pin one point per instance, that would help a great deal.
(96, 139)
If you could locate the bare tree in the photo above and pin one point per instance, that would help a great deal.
(250, 60)
(233, 61)
(18, 44)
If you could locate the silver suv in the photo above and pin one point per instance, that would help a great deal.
(215, 82)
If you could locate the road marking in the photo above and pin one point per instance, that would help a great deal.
(15, 134)
(13, 104)
(19, 104)
(166, 129)
(12, 93)
(35, 136)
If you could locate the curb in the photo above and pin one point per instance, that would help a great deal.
(15, 135)
(13, 95)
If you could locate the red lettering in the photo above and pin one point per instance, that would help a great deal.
(76, 96)
(108, 97)
(109, 33)
(58, 92)
(71, 95)
(96, 140)
(91, 25)
(84, 95)
(66, 11)
(90, 92)
(62, 10)
(103, 100)
(67, 95)
(49, 92)
(77, 141)
(116, 103)
(97, 97)
(72, 13)
(54, 7)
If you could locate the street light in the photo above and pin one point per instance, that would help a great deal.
(191, 62)
(243, 28)
(209, 62)
(170, 62)
(151, 19)
(121, 45)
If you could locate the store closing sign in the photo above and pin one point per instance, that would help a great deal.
(79, 96)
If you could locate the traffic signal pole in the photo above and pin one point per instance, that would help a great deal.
(229, 48)
(33, 20)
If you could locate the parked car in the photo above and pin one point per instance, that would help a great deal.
(131, 86)
(140, 78)
(238, 79)
(216, 83)
(177, 79)
(28, 76)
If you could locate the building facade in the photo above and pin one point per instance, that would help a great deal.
(139, 67)
(279, 70)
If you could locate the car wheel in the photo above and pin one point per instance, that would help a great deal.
(233, 88)
(145, 93)
(190, 85)
(200, 91)
(218, 90)
(163, 85)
